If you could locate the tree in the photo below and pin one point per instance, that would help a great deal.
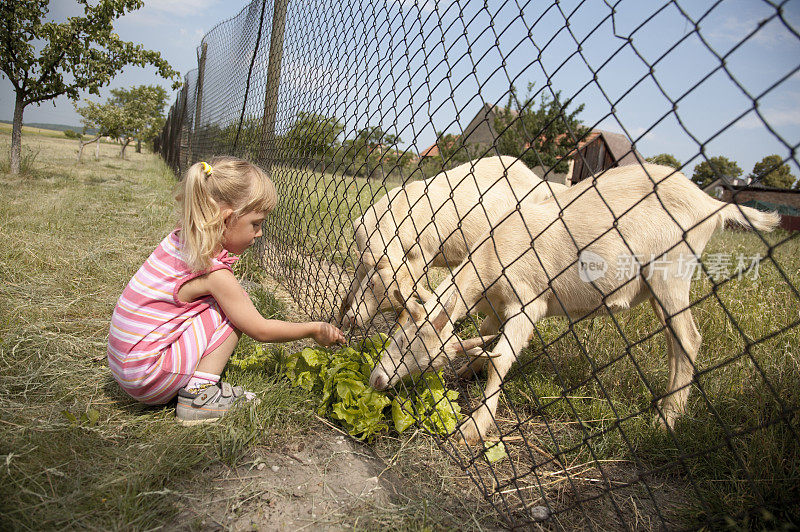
(142, 107)
(540, 136)
(43, 60)
(454, 151)
(772, 172)
(713, 168)
(150, 101)
(313, 136)
(373, 150)
(665, 159)
(106, 118)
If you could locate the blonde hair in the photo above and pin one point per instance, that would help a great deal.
(201, 196)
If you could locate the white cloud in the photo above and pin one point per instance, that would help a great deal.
(773, 34)
(774, 117)
(180, 8)
(196, 35)
(165, 12)
(639, 130)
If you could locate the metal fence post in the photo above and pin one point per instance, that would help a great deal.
(183, 132)
(266, 152)
(201, 68)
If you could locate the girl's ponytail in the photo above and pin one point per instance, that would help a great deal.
(200, 219)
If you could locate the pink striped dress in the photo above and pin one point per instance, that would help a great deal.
(156, 341)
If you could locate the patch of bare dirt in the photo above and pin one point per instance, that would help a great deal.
(314, 484)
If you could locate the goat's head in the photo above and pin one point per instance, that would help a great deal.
(418, 345)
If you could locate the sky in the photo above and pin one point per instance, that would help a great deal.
(172, 27)
(650, 69)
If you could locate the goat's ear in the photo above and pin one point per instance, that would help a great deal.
(399, 297)
(412, 307)
(441, 319)
(403, 318)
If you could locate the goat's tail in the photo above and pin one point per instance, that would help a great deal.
(750, 218)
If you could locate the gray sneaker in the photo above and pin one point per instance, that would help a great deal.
(210, 403)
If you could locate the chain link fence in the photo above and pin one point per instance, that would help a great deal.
(544, 236)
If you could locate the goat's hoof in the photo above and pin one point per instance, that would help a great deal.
(468, 434)
(666, 420)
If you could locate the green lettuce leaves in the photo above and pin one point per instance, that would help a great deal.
(428, 401)
(341, 379)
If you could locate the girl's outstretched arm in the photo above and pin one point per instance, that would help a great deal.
(235, 303)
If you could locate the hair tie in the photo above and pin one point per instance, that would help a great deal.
(206, 168)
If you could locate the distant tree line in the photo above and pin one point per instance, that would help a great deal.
(771, 171)
(541, 132)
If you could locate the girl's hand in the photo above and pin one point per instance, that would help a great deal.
(326, 334)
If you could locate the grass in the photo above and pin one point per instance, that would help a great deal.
(734, 458)
(76, 452)
(5, 129)
(316, 217)
(31, 132)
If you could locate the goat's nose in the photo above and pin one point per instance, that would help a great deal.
(379, 380)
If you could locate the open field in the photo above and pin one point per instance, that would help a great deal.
(5, 129)
(77, 453)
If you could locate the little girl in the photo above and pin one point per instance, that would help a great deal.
(177, 322)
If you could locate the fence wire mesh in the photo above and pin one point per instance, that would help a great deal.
(548, 228)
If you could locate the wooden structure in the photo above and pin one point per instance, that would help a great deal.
(598, 151)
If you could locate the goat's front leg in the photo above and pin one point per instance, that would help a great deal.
(516, 332)
(347, 301)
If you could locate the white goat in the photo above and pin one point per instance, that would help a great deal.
(431, 223)
(527, 268)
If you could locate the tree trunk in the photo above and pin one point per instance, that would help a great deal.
(138, 145)
(16, 135)
(86, 143)
(124, 141)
